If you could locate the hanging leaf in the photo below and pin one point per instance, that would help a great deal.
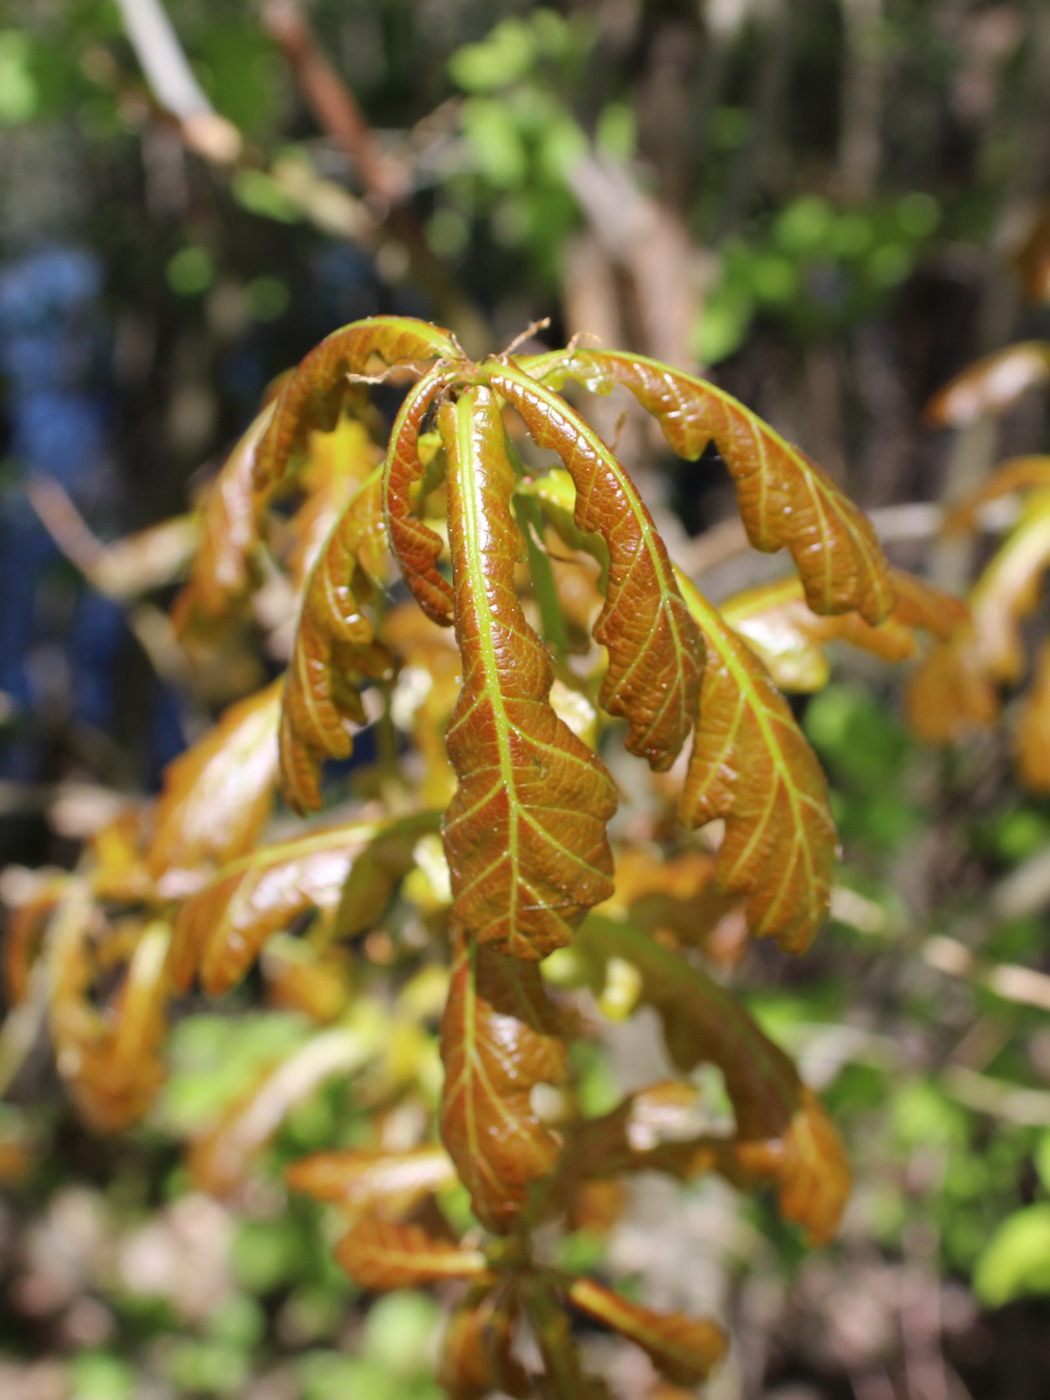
(655, 652)
(380, 1255)
(790, 638)
(785, 499)
(1033, 730)
(752, 766)
(782, 1133)
(229, 531)
(314, 396)
(217, 795)
(392, 1183)
(948, 695)
(500, 1037)
(333, 639)
(219, 930)
(683, 1348)
(525, 832)
(476, 1354)
(991, 385)
(415, 545)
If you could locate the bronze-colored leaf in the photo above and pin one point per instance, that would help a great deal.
(1033, 729)
(313, 397)
(1008, 590)
(220, 930)
(500, 1037)
(752, 766)
(300, 978)
(1015, 474)
(378, 1254)
(785, 499)
(683, 1348)
(333, 639)
(476, 1354)
(655, 651)
(391, 1183)
(790, 638)
(337, 466)
(782, 1133)
(991, 385)
(948, 695)
(525, 832)
(217, 795)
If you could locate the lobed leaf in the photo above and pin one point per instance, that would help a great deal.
(525, 831)
(785, 499)
(500, 1037)
(219, 930)
(392, 1183)
(217, 795)
(782, 1132)
(314, 395)
(333, 639)
(991, 385)
(655, 651)
(752, 767)
(683, 1348)
(378, 1254)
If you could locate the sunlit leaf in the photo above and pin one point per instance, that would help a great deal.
(525, 832)
(337, 465)
(378, 1254)
(390, 1182)
(655, 652)
(785, 499)
(683, 1348)
(991, 385)
(217, 795)
(314, 396)
(500, 1037)
(752, 766)
(1016, 1260)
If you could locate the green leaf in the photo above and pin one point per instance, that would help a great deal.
(1016, 1260)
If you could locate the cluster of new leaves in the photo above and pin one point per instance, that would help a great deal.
(961, 683)
(475, 839)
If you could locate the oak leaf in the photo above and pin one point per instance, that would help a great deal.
(683, 1348)
(378, 1254)
(991, 385)
(392, 1183)
(476, 1354)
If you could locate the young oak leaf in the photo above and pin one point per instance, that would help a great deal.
(333, 638)
(525, 832)
(785, 499)
(390, 1183)
(217, 795)
(949, 694)
(314, 395)
(476, 1350)
(752, 766)
(220, 929)
(684, 1349)
(500, 1037)
(782, 1133)
(991, 385)
(790, 638)
(655, 651)
(378, 1254)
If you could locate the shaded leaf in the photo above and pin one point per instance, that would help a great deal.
(991, 385)
(337, 465)
(299, 978)
(378, 1254)
(752, 766)
(683, 1348)
(1033, 730)
(500, 1037)
(217, 795)
(476, 1355)
(655, 652)
(1015, 474)
(785, 499)
(563, 1376)
(333, 639)
(425, 695)
(1008, 590)
(391, 1182)
(525, 832)
(377, 871)
(219, 930)
(315, 394)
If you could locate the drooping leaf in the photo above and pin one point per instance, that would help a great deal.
(415, 545)
(752, 766)
(525, 832)
(220, 573)
(785, 499)
(500, 1037)
(333, 639)
(991, 385)
(1033, 729)
(655, 652)
(476, 1355)
(683, 1348)
(782, 1133)
(313, 397)
(217, 795)
(220, 929)
(948, 694)
(221, 1156)
(378, 1254)
(790, 638)
(392, 1183)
